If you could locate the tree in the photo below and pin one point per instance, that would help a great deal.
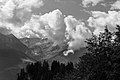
(55, 67)
(69, 67)
(99, 62)
(117, 33)
(22, 75)
(45, 71)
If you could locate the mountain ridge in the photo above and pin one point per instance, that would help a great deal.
(10, 41)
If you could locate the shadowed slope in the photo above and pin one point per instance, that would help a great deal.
(12, 54)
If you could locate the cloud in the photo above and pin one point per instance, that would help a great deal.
(31, 28)
(16, 11)
(58, 28)
(4, 30)
(28, 4)
(54, 25)
(76, 32)
(67, 52)
(8, 28)
(93, 2)
(115, 5)
(6, 11)
(20, 17)
(8, 7)
(50, 25)
(100, 19)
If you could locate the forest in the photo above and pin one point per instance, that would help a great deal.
(100, 62)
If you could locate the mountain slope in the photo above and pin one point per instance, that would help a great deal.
(10, 41)
(12, 54)
(11, 60)
(30, 41)
(46, 50)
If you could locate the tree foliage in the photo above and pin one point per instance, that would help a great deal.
(102, 61)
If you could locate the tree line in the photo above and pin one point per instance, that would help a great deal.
(100, 62)
(43, 71)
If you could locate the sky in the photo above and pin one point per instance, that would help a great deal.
(72, 21)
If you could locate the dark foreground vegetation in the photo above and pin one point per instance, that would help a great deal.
(101, 62)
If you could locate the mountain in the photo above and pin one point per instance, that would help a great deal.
(32, 41)
(10, 41)
(43, 49)
(12, 56)
(15, 53)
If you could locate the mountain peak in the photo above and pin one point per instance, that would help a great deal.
(11, 36)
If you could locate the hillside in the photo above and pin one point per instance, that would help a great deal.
(11, 42)
(12, 54)
(41, 49)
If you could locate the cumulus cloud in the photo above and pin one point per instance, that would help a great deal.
(100, 19)
(76, 32)
(55, 26)
(31, 28)
(16, 10)
(6, 11)
(28, 4)
(93, 2)
(116, 5)
(8, 6)
(50, 25)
